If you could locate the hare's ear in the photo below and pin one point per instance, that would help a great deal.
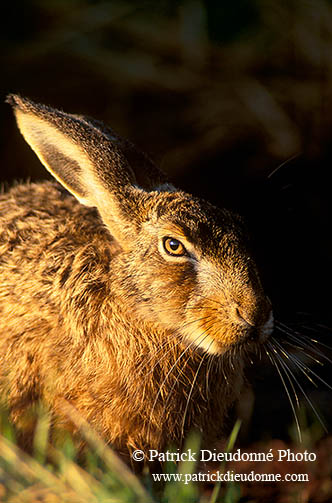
(95, 165)
(147, 175)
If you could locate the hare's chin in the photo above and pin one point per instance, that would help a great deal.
(209, 345)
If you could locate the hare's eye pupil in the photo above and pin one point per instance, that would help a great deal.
(174, 244)
(174, 247)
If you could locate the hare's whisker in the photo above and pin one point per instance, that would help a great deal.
(315, 341)
(292, 331)
(323, 326)
(175, 341)
(288, 370)
(275, 364)
(191, 391)
(208, 370)
(284, 163)
(167, 375)
(308, 399)
(307, 354)
(185, 325)
(277, 359)
(296, 362)
(304, 342)
(153, 353)
(145, 362)
(209, 299)
(308, 345)
(201, 308)
(304, 369)
(180, 372)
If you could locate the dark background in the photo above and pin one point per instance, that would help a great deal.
(220, 94)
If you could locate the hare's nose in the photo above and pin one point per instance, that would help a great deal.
(243, 317)
(258, 321)
(255, 314)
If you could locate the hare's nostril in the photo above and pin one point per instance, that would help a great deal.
(255, 315)
(243, 317)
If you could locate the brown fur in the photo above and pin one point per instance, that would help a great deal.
(94, 312)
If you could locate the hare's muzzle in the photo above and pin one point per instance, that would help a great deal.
(256, 318)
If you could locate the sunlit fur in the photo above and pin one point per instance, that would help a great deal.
(94, 312)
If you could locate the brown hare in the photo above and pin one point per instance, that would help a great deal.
(136, 303)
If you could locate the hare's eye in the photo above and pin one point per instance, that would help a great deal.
(174, 247)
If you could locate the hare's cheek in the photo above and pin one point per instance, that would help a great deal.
(204, 327)
(169, 288)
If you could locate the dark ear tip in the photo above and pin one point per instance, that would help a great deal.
(13, 100)
(17, 101)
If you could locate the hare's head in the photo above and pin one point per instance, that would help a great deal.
(185, 265)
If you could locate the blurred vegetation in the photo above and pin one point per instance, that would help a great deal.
(53, 474)
(220, 94)
(59, 475)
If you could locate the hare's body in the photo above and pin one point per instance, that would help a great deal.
(139, 314)
(58, 346)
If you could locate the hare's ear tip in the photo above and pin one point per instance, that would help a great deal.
(13, 99)
(17, 101)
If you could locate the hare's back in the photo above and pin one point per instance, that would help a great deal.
(47, 240)
(35, 217)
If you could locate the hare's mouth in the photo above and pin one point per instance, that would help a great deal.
(209, 345)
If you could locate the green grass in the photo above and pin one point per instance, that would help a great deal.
(54, 475)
